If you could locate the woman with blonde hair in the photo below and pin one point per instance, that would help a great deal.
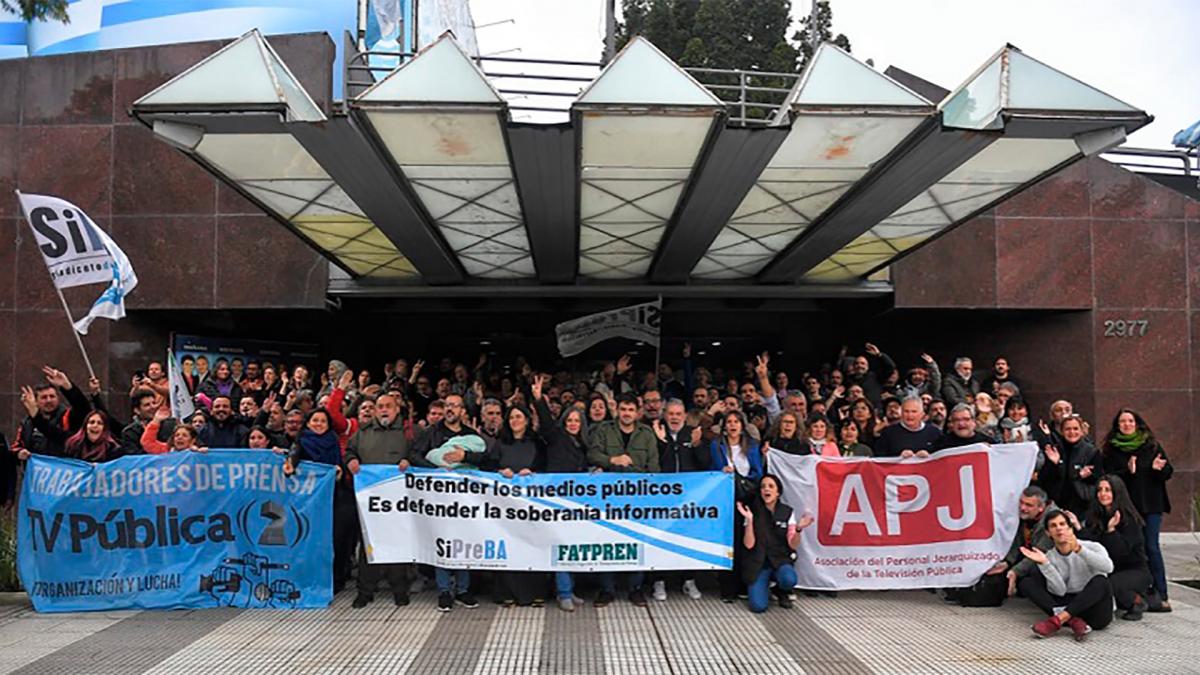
(987, 422)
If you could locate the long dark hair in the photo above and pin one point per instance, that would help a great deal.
(506, 432)
(1098, 516)
(1115, 429)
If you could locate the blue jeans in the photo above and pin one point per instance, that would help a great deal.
(760, 595)
(565, 585)
(454, 582)
(608, 581)
(1154, 553)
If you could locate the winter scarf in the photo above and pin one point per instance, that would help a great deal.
(1128, 442)
(322, 448)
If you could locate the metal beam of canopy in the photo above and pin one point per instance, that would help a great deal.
(845, 117)
(543, 157)
(443, 125)
(230, 113)
(644, 125)
(1048, 120)
(729, 171)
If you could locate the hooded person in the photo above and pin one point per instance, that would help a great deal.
(335, 370)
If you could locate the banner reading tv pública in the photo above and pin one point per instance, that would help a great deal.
(224, 528)
(938, 522)
(547, 522)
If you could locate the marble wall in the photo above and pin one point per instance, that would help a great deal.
(65, 130)
(1100, 245)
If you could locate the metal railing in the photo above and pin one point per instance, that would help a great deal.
(542, 90)
(1150, 160)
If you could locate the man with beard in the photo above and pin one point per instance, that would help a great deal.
(380, 440)
(223, 430)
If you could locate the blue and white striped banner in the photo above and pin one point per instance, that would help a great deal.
(547, 522)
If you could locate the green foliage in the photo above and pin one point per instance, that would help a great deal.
(824, 28)
(40, 10)
(8, 551)
(743, 35)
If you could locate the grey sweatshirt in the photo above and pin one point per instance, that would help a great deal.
(1070, 573)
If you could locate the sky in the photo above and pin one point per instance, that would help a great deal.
(1144, 52)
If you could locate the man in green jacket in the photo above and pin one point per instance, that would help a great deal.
(624, 444)
(381, 441)
(628, 446)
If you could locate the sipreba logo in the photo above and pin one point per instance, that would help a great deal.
(874, 504)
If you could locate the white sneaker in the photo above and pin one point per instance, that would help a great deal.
(690, 589)
(660, 591)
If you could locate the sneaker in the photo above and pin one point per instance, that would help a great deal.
(1162, 607)
(727, 599)
(566, 604)
(785, 601)
(577, 600)
(604, 599)
(691, 590)
(812, 594)
(1047, 627)
(445, 602)
(660, 591)
(743, 596)
(401, 599)
(1079, 628)
(466, 600)
(638, 598)
(538, 603)
(361, 600)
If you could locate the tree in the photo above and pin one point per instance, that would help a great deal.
(824, 33)
(40, 10)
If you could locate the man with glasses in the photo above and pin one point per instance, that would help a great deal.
(652, 406)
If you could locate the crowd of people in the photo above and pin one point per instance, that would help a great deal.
(1089, 520)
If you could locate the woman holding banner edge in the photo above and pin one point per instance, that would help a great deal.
(734, 451)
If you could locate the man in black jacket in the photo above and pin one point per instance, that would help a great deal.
(870, 376)
(143, 402)
(50, 423)
(680, 450)
(223, 430)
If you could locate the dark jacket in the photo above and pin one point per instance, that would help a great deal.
(211, 389)
(435, 437)
(43, 435)
(951, 440)
(770, 540)
(607, 442)
(678, 455)
(131, 435)
(227, 434)
(895, 439)
(517, 454)
(564, 453)
(1147, 487)
(1126, 545)
(791, 446)
(1076, 493)
(955, 391)
(1032, 535)
(378, 444)
(872, 381)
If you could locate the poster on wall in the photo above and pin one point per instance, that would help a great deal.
(197, 358)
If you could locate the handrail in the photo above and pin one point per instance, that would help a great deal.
(1184, 157)
(750, 100)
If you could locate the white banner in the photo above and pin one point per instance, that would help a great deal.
(638, 322)
(938, 522)
(549, 522)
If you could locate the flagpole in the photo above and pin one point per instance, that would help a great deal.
(87, 361)
(658, 347)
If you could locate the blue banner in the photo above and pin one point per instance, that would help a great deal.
(552, 522)
(224, 528)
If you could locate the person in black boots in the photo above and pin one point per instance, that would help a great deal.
(1132, 453)
(1113, 521)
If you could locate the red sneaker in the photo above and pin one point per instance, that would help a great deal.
(1047, 627)
(1079, 628)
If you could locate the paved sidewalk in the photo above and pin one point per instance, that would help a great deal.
(893, 632)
